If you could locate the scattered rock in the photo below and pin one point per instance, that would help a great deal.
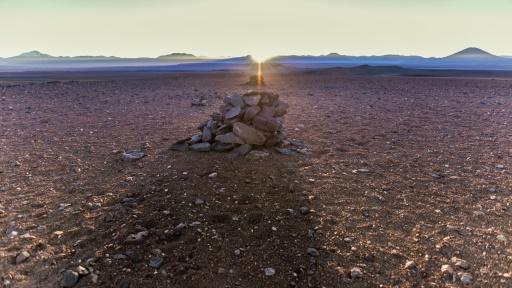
(269, 271)
(132, 155)
(410, 265)
(466, 279)
(199, 201)
(257, 154)
(82, 271)
(447, 272)
(460, 263)
(69, 278)
(22, 257)
(304, 210)
(313, 252)
(136, 238)
(356, 273)
(155, 262)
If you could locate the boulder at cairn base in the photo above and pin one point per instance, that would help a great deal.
(229, 138)
(201, 147)
(249, 134)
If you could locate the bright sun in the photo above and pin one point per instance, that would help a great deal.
(260, 57)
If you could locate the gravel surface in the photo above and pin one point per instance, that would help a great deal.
(402, 181)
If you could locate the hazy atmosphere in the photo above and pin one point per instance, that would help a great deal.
(137, 28)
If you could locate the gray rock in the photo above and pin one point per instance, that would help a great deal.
(356, 273)
(179, 147)
(466, 279)
(229, 138)
(119, 256)
(199, 201)
(285, 151)
(267, 111)
(313, 252)
(180, 227)
(155, 262)
(133, 155)
(236, 100)
(136, 238)
(200, 147)
(125, 283)
(207, 134)
(281, 108)
(268, 124)
(242, 150)
(250, 113)
(252, 100)
(196, 138)
(436, 176)
(69, 278)
(460, 263)
(304, 210)
(233, 112)
(82, 271)
(256, 154)
(248, 134)
(22, 257)
(269, 271)
(223, 147)
(447, 271)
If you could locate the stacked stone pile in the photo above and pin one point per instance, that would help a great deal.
(244, 121)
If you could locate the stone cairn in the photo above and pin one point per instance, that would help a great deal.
(254, 119)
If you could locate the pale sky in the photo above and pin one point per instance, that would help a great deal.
(133, 28)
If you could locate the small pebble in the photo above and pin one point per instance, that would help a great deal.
(304, 210)
(410, 265)
(22, 257)
(356, 273)
(155, 262)
(313, 252)
(466, 279)
(270, 272)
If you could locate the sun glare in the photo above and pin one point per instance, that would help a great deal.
(260, 58)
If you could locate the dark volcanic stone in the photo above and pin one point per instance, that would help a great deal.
(69, 278)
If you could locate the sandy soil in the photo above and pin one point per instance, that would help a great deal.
(397, 170)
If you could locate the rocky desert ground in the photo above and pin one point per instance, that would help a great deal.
(404, 182)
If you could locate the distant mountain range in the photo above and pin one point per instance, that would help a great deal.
(468, 59)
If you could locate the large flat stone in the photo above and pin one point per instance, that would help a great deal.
(249, 134)
(233, 112)
(229, 138)
(268, 124)
(200, 147)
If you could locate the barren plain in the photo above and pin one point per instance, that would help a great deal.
(407, 181)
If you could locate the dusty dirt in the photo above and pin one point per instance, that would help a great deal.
(437, 185)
